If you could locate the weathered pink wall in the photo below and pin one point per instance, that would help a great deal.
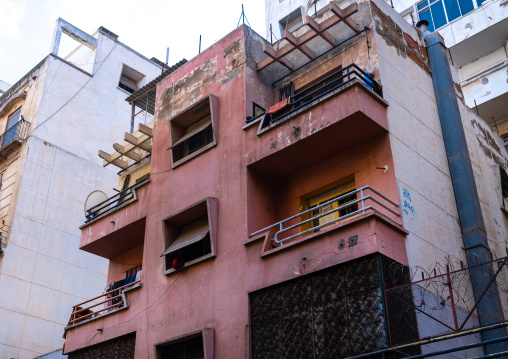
(214, 293)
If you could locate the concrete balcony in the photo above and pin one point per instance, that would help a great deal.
(116, 225)
(322, 120)
(478, 33)
(107, 303)
(13, 137)
(369, 224)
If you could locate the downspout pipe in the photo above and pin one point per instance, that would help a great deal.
(474, 234)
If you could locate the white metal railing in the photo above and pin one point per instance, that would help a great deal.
(363, 207)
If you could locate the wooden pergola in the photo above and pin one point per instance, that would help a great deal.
(136, 147)
(299, 43)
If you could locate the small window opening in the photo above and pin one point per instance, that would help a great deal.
(504, 184)
(189, 348)
(188, 235)
(130, 80)
(193, 130)
(192, 243)
(292, 21)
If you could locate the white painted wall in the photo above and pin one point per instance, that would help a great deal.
(43, 273)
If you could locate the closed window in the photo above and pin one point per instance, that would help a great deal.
(331, 203)
(440, 12)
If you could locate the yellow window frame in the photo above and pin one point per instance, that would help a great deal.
(318, 196)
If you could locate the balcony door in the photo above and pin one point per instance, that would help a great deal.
(10, 129)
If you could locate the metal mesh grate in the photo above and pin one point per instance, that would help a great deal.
(122, 347)
(332, 313)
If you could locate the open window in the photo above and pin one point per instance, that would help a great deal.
(197, 345)
(332, 203)
(504, 189)
(190, 235)
(292, 21)
(193, 131)
(130, 80)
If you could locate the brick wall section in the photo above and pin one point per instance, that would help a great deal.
(394, 36)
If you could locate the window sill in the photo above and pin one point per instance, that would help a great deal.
(193, 155)
(191, 263)
(127, 92)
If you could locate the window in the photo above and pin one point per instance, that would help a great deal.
(440, 12)
(130, 79)
(292, 21)
(193, 130)
(10, 128)
(329, 198)
(195, 345)
(190, 348)
(189, 235)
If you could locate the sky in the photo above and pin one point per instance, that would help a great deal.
(148, 26)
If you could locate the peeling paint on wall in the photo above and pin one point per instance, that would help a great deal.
(394, 36)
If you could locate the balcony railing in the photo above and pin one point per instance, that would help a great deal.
(113, 299)
(18, 132)
(358, 206)
(113, 202)
(320, 89)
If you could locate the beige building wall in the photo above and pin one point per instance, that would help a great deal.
(421, 166)
(73, 113)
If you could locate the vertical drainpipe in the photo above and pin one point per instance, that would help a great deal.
(468, 204)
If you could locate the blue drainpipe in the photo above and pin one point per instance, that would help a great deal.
(468, 204)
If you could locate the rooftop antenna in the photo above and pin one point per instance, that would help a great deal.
(167, 60)
(199, 43)
(242, 18)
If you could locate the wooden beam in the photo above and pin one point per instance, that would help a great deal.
(145, 130)
(296, 42)
(318, 29)
(127, 151)
(138, 142)
(112, 159)
(344, 15)
(277, 56)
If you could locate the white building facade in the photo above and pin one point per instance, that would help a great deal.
(53, 121)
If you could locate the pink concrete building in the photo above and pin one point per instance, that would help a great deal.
(281, 201)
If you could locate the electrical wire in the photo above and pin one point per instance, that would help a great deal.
(77, 93)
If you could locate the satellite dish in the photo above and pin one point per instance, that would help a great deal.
(94, 199)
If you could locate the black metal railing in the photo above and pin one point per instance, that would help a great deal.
(330, 83)
(113, 202)
(18, 131)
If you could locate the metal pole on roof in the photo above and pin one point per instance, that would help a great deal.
(243, 15)
(199, 43)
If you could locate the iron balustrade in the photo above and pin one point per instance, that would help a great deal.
(113, 299)
(113, 202)
(325, 86)
(18, 131)
(360, 202)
